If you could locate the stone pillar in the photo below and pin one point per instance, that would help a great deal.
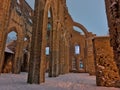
(90, 56)
(106, 70)
(113, 16)
(4, 18)
(36, 72)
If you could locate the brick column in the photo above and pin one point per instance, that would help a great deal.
(36, 72)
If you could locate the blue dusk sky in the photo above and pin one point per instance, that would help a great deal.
(90, 13)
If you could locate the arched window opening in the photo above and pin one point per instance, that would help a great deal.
(49, 25)
(77, 49)
(11, 36)
(49, 14)
(47, 51)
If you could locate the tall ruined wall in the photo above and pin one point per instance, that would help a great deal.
(59, 63)
(113, 16)
(106, 69)
(15, 16)
(77, 39)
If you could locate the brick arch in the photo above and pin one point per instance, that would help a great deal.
(19, 46)
(81, 27)
(19, 31)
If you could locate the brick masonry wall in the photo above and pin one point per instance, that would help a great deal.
(113, 18)
(106, 69)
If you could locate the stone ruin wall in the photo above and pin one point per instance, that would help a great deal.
(77, 39)
(106, 69)
(113, 17)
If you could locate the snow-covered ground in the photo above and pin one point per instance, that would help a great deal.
(72, 81)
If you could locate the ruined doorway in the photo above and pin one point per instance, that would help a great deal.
(9, 52)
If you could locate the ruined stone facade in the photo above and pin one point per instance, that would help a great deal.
(80, 62)
(77, 59)
(16, 17)
(57, 33)
(60, 41)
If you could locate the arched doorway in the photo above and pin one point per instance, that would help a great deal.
(18, 44)
(9, 52)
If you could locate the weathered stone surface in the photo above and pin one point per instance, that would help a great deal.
(106, 70)
(62, 40)
(37, 55)
(16, 17)
(90, 55)
(113, 16)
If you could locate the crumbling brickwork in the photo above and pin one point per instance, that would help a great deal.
(15, 16)
(106, 69)
(113, 16)
(62, 41)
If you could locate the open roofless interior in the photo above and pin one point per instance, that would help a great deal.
(47, 47)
